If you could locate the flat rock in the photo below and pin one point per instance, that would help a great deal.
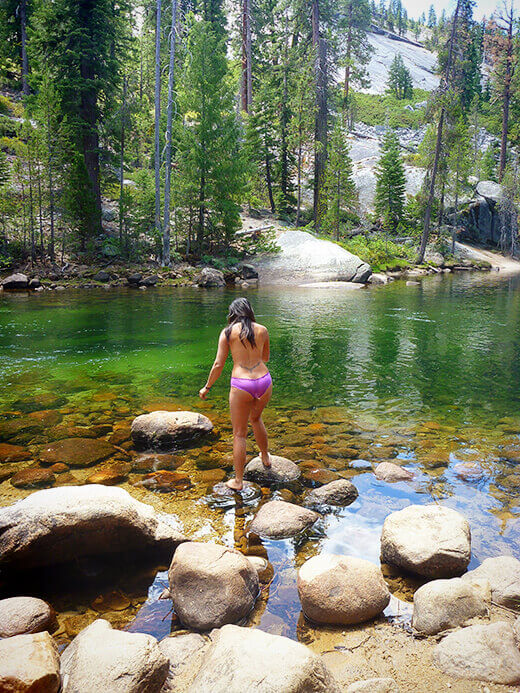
(503, 574)
(247, 659)
(278, 520)
(20, 615)
(165, 481)
(484, 653)
(116, 474)
(13, 453)
(33, 478)
(15, 282)
(103, 659)
(30, 663)
(62, 524)
(373, 686)
(211, 585)
(282, 470)
(167, 429)
(429, 540)
(341, 590)
(340, 492)
(184, 653)
(388, 471)
(443, 604)
(76, 452)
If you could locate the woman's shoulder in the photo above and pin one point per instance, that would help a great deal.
(261, 329)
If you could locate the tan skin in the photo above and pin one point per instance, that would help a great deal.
(248, 363)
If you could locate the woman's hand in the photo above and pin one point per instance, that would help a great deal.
(203, 392)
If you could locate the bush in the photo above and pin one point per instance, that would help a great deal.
(380, 252)
(374, 109)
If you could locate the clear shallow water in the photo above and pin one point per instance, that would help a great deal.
(428, 376)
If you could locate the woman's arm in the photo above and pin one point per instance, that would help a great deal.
(218, 364)
(266, 348)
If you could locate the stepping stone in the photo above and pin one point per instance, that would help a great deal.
(282, 470)
(278, 520)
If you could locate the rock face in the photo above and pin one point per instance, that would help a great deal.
(76, 452)
(503, 574)
(341, 590)
(340, 492)
(15, 282)
(184, 653)
(211, 585)
(211, 277)
(444, 604)
(166, 429)
(103, 659)
(388, 471)
(306, 258)
(61, 524)
(247, 659)
(429, 540)
(29, 663)
(20, 615)
(490, 191)
(485, 653)
(483, 218)
(278, 520)
(282, 470)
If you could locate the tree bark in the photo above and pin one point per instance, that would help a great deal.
(169, 122)
(320, 130)
(51, 185)
(346, 85)
(246, 86)
(157, 150)
(121, 166)
(506, 93)
(25, 60)
(90, 143)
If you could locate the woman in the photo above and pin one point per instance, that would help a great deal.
(251, 384)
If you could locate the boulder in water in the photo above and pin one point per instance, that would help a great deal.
(281, 470)
(278, 520)
(20, 615)
(15, 282)
(168, 429)
(503, 574)
(339, 492)
(211, 277)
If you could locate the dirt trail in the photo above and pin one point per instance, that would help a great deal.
(498, 261)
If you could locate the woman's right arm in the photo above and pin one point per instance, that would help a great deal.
(218, 364)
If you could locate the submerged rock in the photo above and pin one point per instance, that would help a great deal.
(430, 540)
(165, 481)
(33, 478)
(61, 524)
(13, 453)
(282, 470)
(503, 574)
(247, 659)
(103, 659)
(485, 653)
(76, 452)
(20, 615)
(29, 663)
(340, 492)
(388, 471)
(166, 429)
(341, 590)
(278, 520)
(211, 585)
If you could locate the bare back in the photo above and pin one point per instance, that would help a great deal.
(249, 361)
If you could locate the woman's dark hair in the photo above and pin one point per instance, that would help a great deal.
(240, 311)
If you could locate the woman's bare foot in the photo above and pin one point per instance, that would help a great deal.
(266, 460)
(234, 484)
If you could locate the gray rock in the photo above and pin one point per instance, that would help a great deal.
(378, 279)
(373, 686)
(429, 540)
(150, 280)
(30, 663)
(34, 283)
(103, 659)
(14, 282)
(433, 257)
(484, 653)
(185, 653)
(211, 585)
(62, 524)
(211, 277)
(388, 471)
(167, 429)
(247, 659)
(101, 276)
(248, 272)
(490, 191)
(108, 213)
(134, 279)
(303, 257)
(25, 615)
(341, 590)
(503, 573)
(282, 470)
(339, 492)
(443, 604)
(278, 520)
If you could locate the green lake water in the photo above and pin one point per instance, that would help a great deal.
(425, 375)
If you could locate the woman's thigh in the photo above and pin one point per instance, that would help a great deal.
(260, 403)
(240, 405)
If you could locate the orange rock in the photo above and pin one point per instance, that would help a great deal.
(33, 478)
(13, 453)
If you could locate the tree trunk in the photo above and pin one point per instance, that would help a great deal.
(51, 186)
(269, 181)
(506, 94)
(157, 154)
(169, 121)
(246, 79)
(284, 122)
(90, 144)
(299, 203)
(346, 85)
(320, 130)
(121, 166)
(25, 60)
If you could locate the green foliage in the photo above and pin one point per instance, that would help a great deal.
(390, 183)
(381, 253)
(489, 162)
(340, 189)
(374, 109)
(399, 79)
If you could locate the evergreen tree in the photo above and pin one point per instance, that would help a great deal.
(489, 163)
(354, 23)
(339, 181)
(399, 79)
(432, 18)
(390, 183)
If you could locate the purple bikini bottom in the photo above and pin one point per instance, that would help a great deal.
(256, 387)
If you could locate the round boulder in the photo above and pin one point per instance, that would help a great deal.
(503, 574)
(167, 429)
(211, 277)
(15, 282)
(281, 470)
(278, 520)
(390, 472)
(211, 585)
(340, 492)
(341, 590)
(25, 615)
(429, 540)
(29, 662)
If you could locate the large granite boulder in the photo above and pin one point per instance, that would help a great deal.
(278, 520)
(20, 615)
(281, 470)
(29, 663)
(339, 492)
(15, 282)
(305, 258)
(341, 590)
(211, 277)
(62, 524)
(167, 429)
(490, 190)
(211, 585)
(185, 653)
(247, 659)
(485, 653)
(103, 659)
(430, 540)
(443, 604)
(503, 574)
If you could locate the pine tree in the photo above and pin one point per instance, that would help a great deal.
(489, 162)
(432, 18)
(399, 79)
(390, 183)
(339, 181)
(354, 23)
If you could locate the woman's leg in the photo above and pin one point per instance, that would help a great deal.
(240, 404)
(258, 424)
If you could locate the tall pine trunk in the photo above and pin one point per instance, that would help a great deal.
(122, 167)
(90, 146)
(169, 122)
(157, 154)
(23, 33)
(320, 129)
(506, 93)
(246, 84)
(50, 183)
(346, 84)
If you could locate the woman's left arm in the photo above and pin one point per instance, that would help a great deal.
(218, 364)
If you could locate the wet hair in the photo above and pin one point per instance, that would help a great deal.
(240, 311)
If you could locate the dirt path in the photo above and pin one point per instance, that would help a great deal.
(498, 261)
